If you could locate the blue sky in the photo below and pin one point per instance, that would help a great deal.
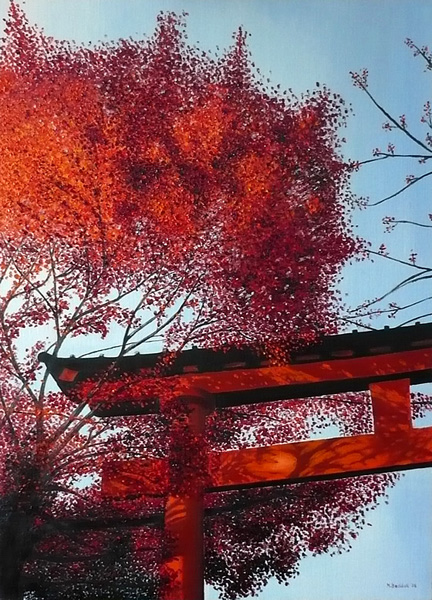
(297, 43)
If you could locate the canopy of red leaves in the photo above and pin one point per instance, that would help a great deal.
(161, 159)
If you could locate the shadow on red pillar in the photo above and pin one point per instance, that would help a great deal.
(184, 521)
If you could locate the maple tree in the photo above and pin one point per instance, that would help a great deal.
(148, 191)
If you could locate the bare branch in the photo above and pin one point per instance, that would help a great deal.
(397, 221)
(411, 183)
(394, 121)
(417, 318)
(400, 261)
(384, 155)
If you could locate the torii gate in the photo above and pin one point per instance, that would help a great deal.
(385, 362)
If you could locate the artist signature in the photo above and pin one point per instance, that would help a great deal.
(401, 585)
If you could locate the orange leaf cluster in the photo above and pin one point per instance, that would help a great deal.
(158, 157)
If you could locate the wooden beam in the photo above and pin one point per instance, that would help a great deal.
(394, 445)
(238, 376)
(250, 386)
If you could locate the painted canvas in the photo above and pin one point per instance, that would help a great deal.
(215, 306)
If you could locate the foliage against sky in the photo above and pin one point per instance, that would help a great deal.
(159, 160)
(147, 185)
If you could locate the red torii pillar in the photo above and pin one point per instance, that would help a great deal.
(184, 519)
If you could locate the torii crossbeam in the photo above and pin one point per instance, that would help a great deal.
(385, 362)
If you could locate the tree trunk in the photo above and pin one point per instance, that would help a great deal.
(15, 547)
